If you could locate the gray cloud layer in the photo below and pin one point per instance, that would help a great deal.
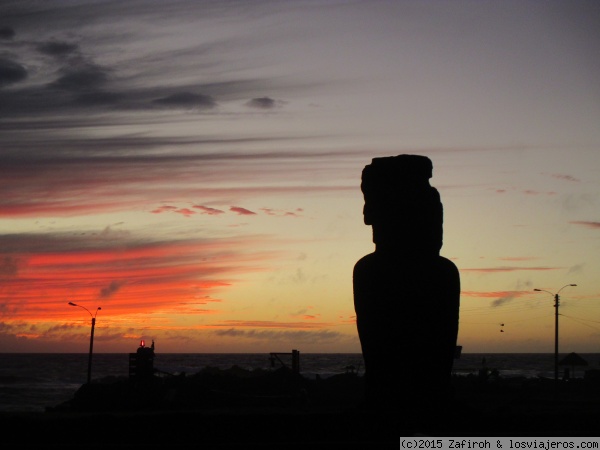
(11, 72)
(84, 72)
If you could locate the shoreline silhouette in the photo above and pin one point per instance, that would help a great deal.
(226, 408)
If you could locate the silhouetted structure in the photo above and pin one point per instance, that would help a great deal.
(141, 363)
(572, 360)
(406, 295)
(274, 356)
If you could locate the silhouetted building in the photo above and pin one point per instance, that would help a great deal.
(141, 363)
(406, 295)
(295, 354)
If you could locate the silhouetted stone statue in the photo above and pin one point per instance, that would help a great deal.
(406, 295)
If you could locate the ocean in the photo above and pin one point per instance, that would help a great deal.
(30, 382)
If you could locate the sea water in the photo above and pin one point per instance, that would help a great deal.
(30, 382)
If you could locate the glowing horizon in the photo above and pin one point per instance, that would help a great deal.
(194, 168)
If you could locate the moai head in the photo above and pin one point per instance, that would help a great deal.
(404, 210)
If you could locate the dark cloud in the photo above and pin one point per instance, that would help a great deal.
(577, 268)
(502, 300)
(6, 33)
(262, 103)
(98, 98)
(87, 85)
(56, 48)
(62, 327)
(81, 82)
(11, 72)
(565, 177)
(111, 289)
(287, 335)
(86, 77)
(187, 100)
(522, 288)
(29, 243)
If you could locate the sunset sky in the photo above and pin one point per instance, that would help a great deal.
(193, 167)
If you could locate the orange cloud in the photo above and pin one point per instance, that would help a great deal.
(124, 275)
(242, 211)
(175, 209)
(282, 213)
(210, 211)
(350, 319)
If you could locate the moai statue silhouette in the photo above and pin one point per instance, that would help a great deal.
(406, 295)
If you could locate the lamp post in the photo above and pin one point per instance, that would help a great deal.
(89, 372)
(556, 299)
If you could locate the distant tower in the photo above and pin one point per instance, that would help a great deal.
(141, 363)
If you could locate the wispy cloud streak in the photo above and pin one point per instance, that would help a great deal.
(508, 269)
(65, 185)
(587, 224)
(270, 324)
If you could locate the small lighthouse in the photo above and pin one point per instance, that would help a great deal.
(141, 363)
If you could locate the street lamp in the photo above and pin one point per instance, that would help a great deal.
(556, 298)
(89, 373)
